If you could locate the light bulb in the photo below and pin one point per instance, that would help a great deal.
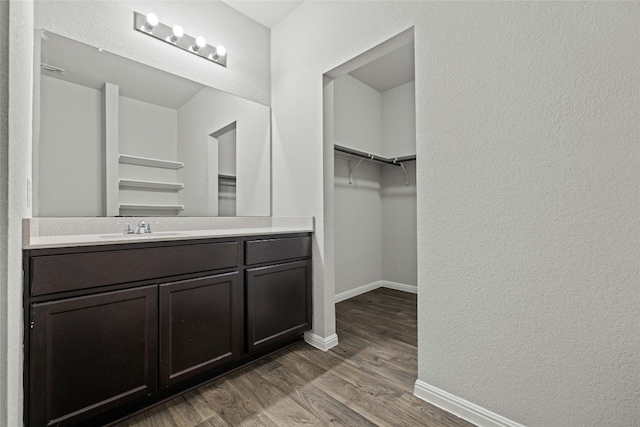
(177, 33)
(152, 21)
(200, 43)
(220, 51)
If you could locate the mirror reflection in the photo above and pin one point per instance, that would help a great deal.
(115, 137)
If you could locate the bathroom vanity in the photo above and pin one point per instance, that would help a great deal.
(116, 324)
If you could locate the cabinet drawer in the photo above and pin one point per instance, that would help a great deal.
(271, 250)
(67, 272)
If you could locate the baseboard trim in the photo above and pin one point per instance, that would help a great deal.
(375, 285)
(357, 291)
(399, 286)
(319, 342)
(461, 408)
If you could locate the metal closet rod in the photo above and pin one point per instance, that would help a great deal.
(390, 161)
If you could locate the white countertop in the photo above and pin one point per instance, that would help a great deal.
(39, 233)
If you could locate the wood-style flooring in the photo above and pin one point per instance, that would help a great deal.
(367, 380)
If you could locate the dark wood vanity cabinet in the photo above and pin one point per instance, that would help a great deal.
(114, 328)
(278, 294)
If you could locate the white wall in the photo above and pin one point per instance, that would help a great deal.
(398, 200)
(399, 120)
(358, 225)
(227, 153)
(147, 130)
(358, 115)
(71, 140)
(16, 20)
(399, 221)
(204, 114)
(107, 24)
(528, 192)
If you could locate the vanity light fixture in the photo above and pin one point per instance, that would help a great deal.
(150, 25)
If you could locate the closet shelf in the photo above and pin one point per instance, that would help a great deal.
(147, 161)
(133, 183)
(151, 207)
(396, 161)
(374, 157)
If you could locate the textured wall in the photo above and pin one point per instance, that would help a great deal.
(528, 192)
(16, 170)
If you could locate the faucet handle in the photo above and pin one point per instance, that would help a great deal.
(148, 226)
(127, 229)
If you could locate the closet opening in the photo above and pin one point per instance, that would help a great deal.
(223, 146)
(370, 170)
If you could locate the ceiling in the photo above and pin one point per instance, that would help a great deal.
(389, 71)
(266, 12)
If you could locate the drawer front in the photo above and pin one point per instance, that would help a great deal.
(271, 250)
(67, 272)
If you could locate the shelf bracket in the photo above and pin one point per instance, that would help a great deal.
(351, 171)
(406, 175)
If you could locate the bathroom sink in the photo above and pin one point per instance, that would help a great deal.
(141, 236)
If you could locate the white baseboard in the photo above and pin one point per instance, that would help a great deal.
(319, 342)
(398, 286)
(375, 285)
(461, 408)
(357, 291)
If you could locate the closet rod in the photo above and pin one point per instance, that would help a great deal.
(390, 161)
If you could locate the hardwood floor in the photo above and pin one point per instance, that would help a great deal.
(367, 380)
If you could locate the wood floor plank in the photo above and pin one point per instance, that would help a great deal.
(367, 380)
(233, 406)
(283, 410)
(324, 407)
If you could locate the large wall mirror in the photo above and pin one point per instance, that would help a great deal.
(114, 137)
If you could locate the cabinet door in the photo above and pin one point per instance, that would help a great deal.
(278, 303)
(91, 354)
(199, 326)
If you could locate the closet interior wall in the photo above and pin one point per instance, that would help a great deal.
(375, 215)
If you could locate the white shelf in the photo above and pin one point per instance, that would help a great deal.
(150, 184)
(147, 161)
(151, 207)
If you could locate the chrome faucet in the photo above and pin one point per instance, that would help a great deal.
(143, 228)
